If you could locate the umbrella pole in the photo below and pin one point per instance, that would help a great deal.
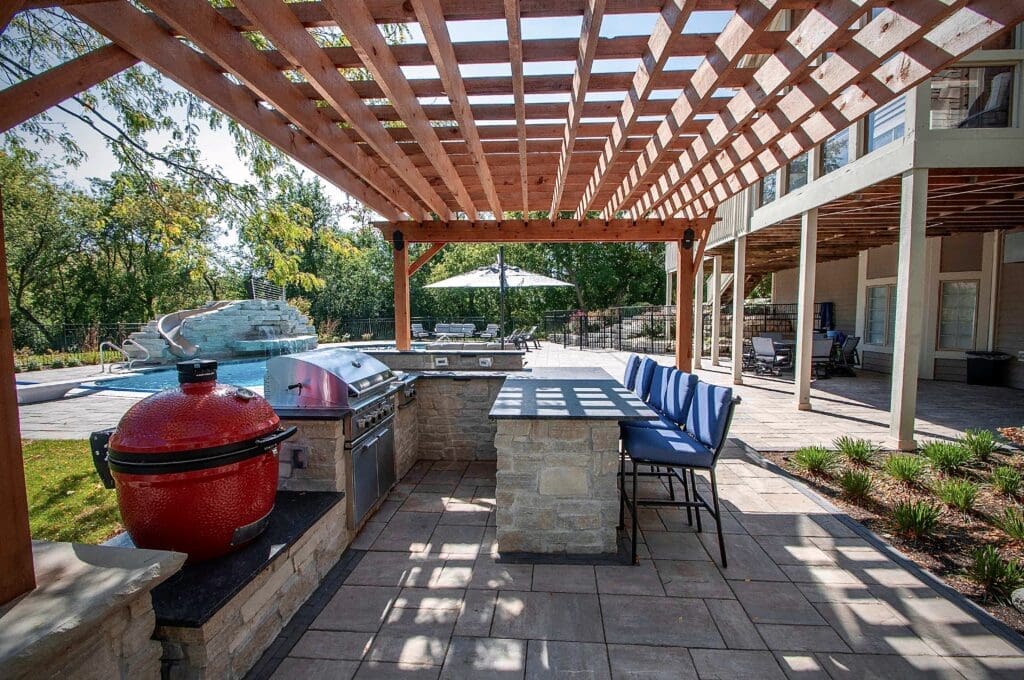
(501, 293)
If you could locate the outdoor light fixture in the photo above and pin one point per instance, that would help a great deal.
(688, 239)
(399, 241)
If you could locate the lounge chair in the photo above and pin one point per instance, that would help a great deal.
(492, 331)
(848, 357)
(530, 336)
(821, 357)
(418, 332)
(696, 448)
(768, 359)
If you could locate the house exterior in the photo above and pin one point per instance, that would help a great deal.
(929, 187)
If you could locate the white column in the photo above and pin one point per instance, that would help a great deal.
(910, 295)
(805, 306)
(862, 294)
(716, 309)
(698, 314)
(930, 311)
(739, 273)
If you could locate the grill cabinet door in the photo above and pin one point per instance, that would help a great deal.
(386, 460)
(364, 478)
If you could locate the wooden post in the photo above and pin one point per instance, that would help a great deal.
(403, 319)
(805, 307)
(17, 575)
(684, 308)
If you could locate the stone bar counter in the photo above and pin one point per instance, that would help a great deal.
(557, 447)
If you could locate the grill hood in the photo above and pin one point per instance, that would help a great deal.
(333, 378)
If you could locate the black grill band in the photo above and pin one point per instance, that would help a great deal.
(196, 459)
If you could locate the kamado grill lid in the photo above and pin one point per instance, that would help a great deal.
(198, 415)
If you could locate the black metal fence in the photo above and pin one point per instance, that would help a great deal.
(66, 344)
(650, 329)
(383, 328)
(758, 319)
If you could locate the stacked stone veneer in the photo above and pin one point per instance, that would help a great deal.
(238, 328)
(556, 486)
(323, 443)
(458, 360)
(407, 437)
(233, 639)
(453, 416)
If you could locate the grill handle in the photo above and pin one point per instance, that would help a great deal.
(275, 438)
(98, 443)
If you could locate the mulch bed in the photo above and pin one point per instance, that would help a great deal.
(948, 552)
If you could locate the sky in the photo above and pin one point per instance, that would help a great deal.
(218, 147)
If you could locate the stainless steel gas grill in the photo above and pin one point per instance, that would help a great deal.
(346, 384)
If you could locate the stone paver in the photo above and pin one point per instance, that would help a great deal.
(802, 597)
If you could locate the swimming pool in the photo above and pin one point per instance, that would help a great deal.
(242, 373)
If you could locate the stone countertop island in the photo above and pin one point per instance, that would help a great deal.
(558, 454)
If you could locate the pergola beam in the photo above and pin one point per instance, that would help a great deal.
(542, 231)
(140, 35)
(207, 29)
(667, 29)
(435, 30)
(425, 257)
(34, 95)
(515, 51)
(591, 28)
(357, 24)
(278, 23)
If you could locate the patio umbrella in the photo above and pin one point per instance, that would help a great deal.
(501, 276)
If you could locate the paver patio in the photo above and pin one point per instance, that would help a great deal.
(424, 595)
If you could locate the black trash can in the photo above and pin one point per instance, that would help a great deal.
(987, 368)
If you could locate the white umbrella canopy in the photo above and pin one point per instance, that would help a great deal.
(488, 277)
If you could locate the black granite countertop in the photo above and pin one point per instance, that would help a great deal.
(190, 597)
(568, 394)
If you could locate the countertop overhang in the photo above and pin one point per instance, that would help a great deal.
(568, 394)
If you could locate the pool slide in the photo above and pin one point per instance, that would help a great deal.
(169, 328)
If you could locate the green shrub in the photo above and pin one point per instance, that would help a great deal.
(1006, 480)
(1012, 522)
(904, 467)
(57, 363)
(981, 443)
(957, 493)
(949, 458)
(33, 366)
(816, 460)
(916, 519)
(73, 363)
(857, 451)
(856, 484)
(998, 577)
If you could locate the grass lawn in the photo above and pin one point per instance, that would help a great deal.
(66, 499)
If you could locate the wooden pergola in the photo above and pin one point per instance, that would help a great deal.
(447, 159)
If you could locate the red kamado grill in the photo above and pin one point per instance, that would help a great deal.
(195, 467)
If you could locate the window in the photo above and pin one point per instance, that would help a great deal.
(797, 175)
(886, 124)
(835, 152)
(958, 311)
(881, 315)
(768, 189)
(976, 97)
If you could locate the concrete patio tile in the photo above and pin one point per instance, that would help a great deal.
(470, 658)
(693, 579)
(780, 637)
(367, 535)
(792, 502)
(477, 613)
(315, 669)
(418, 650)
(674, 622)
(564, 578)
(447, 489)
(387, 510)
(824, 592)
(794, 550)
(437, 476)
(747, 561)
(548, 616)
(814, 573)
(873, 628)
(490, 575)
(777, 524)
(458, 465)
(674, 519)
(466, 514)
(734, 625)
(407, 532)
(670, 545)
(426, 502)
(859, 666)
(641, 579)
(393, 569)
(714, 664)
(641, 662)
(949, 629)
(414, 622)
(801, 666)
(456, 573)
(429, 598)
(555, 659)
(456, 540)
(768, 602)
(989, 668)
(356, 608)
(379, 670)
(329, 644)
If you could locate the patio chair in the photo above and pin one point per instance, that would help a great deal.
(821, 357)
(697, 448)
(632, 368)
(418, 332)
(847, 356)
(490, 332)
(442, 329)
(768, 358)
(644, 376)
(516, 338)
(466, 330)
(531, 336)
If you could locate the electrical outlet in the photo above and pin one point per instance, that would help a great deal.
(299, 456)
(440, 362)
(486, 362)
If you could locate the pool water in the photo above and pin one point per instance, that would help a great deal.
(242, 373)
